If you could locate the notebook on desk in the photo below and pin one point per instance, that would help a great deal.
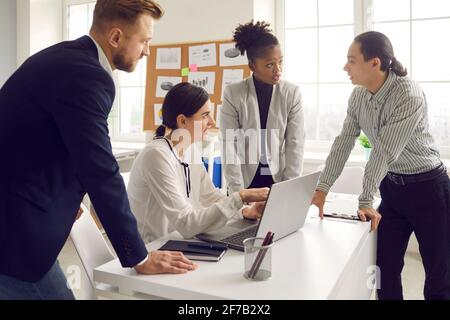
(285, 212)
(195, 250)
(344, 206)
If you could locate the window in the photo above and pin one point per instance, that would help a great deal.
(316, 35)
(316, 43)
(414, 27)
(126, 117)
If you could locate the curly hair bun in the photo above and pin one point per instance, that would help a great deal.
(246, 35)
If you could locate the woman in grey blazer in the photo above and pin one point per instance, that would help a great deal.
(262, 119)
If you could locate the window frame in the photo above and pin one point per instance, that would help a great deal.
(114, 127)
(363, 21)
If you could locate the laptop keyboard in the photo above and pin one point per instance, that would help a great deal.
(239, 237)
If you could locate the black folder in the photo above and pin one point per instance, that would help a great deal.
(195, 250)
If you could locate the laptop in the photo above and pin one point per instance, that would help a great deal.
(285, 212)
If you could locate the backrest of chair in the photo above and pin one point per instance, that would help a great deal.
(211, 152)
(350, 180)
(126, 178)
(90, 244)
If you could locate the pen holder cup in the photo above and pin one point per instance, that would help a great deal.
(258, 259)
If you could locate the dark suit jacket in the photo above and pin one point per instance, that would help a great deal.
(54, 148)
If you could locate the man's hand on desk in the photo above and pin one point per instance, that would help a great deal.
(166, 262)
(254, 195)
(372, 214)
(365, 214)
(318, 200)
(255, 211)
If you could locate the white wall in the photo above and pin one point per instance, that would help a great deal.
(39, 25)
(46, 24)
(40, 22)
(200, 20)
(23, 31)
(265, 10)
(8, 39)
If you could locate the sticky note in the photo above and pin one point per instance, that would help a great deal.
(184, 72)
(193, 68)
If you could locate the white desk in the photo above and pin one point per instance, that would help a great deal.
(329, 259)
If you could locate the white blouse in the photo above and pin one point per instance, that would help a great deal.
(158, 197)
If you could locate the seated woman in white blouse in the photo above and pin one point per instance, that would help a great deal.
(166, 194)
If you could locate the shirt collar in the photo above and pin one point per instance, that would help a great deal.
(171, 147)
(383, 93)
(103, 59)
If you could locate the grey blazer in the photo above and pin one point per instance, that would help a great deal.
(241, 147)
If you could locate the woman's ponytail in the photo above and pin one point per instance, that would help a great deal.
(161, 131)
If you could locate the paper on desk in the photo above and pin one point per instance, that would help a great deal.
(203, 55)
(347, 206)
(342, 203)
(313, 213)
(339, 220)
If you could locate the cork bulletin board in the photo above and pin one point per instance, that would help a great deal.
(210, 64)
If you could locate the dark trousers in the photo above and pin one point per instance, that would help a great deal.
(263, 177)
(422, 208)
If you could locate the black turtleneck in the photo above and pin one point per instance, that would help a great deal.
(263, 176)
(264, 95)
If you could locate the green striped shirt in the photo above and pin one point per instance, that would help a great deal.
(395, 121)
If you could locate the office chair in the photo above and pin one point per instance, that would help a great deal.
(350, 180)
(126, 178)
(214, 165)
(93, 252)
(91, 248)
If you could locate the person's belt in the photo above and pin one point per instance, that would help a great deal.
(404, 179)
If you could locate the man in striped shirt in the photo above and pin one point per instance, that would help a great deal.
(415, 188)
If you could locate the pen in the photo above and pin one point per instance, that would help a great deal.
(341, 216)
(259, 258)
(207, 246)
